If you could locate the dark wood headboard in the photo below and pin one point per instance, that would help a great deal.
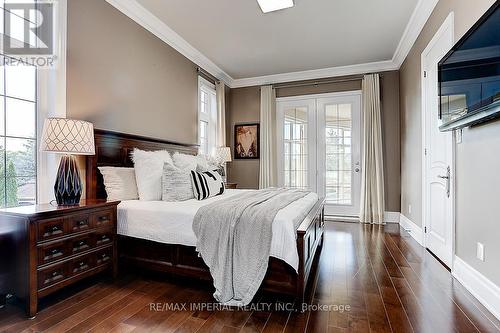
(113, 149)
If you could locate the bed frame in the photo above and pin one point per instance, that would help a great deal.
(113, 149)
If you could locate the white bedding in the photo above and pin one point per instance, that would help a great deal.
(171, 223)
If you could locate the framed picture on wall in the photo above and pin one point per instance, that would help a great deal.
(246, 141)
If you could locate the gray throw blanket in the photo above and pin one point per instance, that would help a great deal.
(234, 239)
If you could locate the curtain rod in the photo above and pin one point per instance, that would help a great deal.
(317, 83)
(206, 74)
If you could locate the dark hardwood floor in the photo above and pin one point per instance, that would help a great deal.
(382, 278)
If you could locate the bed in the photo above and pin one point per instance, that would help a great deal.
(158, 236)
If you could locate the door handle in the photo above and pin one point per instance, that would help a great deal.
(448, 179)
(357, 168)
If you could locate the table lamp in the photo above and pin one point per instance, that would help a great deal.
(223, 156)
(69, 137)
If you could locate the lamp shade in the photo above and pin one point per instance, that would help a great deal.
(68, 136)
(224, 154)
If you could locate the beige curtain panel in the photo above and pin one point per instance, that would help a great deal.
(220, 92)
(372, 171)
(268, 168)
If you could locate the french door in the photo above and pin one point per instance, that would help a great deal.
(319, 148)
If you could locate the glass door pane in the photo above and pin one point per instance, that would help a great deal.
(296, 154)
(295, 148)
(338, 159)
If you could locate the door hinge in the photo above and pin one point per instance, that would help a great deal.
(425, 230)
(425, 73)
(425, 151)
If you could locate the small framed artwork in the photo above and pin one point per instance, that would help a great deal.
(246, 141)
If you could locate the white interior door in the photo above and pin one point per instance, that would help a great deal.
(339, 153)
(319, 148)
(438, 155)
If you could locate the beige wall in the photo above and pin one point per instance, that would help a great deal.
(123, 78)
(477, 158)
(244, 107)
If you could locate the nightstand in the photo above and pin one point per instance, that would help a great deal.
(231, 185)
(59, 245)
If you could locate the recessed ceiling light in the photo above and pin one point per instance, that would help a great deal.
(272, 5)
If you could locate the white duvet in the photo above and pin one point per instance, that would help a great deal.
(171, 223)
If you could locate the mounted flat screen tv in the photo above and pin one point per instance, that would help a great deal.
(469, 75)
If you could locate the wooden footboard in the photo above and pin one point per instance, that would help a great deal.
(309, 243)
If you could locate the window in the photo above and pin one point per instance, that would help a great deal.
(17, 135)
(207, 117)
(18, 124)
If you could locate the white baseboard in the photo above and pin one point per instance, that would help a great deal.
(414, 230)
(478, 285)
(391, 217)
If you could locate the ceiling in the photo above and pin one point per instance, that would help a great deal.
(315, 34)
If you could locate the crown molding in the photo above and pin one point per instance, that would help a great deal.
(417, 21)
(143, 17)
(157, 27)
(378, 66)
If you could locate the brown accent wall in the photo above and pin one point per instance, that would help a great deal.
(244, 106)
(477, 182)
(123, 78)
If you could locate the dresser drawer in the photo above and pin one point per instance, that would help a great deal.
(82, 243)
(50, 229)
(52, 252)
(104, 237)
(52, 275)
(78, 223)
(102, 218)
(104, 256)
(82, 264)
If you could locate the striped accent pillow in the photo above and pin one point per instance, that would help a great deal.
(206, 184)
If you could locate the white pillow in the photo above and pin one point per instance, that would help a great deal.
(120, 183)
(148, 167)
(189, 162)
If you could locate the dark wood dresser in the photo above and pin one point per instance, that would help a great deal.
(59, 245)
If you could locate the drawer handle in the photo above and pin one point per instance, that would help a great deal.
(82, 223)
(81, 243)
(104, 255)
(55, 273)
(82, 263)
(55, 228)
(54, 251)
(103, 218)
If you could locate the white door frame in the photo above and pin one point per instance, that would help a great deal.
(447, 24)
